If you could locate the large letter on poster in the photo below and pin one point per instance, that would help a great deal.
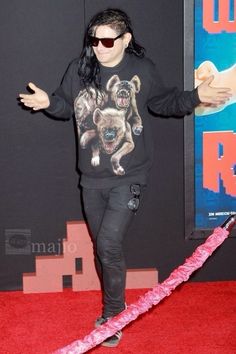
(223, 23)
(219, 161)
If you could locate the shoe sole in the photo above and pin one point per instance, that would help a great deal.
(110, 344)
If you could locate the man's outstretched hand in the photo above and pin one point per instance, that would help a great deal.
(37, 100)
(213, 96)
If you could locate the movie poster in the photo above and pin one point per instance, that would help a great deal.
(215, 128)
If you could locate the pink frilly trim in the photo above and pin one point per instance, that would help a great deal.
(151, 298)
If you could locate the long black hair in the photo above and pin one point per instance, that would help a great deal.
(120, 22)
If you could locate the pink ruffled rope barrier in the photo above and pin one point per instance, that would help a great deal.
(154, 296)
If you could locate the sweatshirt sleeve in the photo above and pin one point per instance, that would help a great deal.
(61, 101)
(171, 101)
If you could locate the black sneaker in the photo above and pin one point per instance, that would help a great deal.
(112, 341)
(100, 320)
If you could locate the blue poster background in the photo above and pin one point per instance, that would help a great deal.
(211, 208)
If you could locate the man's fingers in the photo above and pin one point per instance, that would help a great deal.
(209, 80)
(219, 101)
(223, 90)
(31, 104)
(28, 104)
(33, 86)
(28, 100)
(24, 96)
(225, 93)
(222, 97)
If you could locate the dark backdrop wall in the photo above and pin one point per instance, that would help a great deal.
(39, 192)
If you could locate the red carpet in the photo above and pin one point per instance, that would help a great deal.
(198, 318)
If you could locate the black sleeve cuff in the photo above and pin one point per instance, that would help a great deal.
(195, 97)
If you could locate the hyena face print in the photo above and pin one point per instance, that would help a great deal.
(114, 136)
(123, 93)
(85, 104)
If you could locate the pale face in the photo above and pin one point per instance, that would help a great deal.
(110, 56)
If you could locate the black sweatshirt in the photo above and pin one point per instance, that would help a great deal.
(114, 133)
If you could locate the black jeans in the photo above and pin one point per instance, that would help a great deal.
(108, 218)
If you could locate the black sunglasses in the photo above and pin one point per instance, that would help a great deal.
(106, 42)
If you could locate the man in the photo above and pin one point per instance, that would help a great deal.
(110, 90)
